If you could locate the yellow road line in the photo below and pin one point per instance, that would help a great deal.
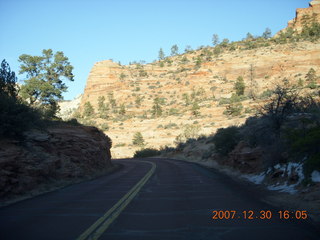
(101, 225)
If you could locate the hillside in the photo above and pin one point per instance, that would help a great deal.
(194, 92)
(211, 83)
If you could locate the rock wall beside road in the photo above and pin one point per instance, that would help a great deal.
(58, 155)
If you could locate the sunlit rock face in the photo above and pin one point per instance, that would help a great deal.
(305, 15)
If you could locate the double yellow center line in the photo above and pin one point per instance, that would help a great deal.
(101, 225)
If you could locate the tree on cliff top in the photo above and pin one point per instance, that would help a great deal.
(161, 54)
(45, 74)
(8, 80)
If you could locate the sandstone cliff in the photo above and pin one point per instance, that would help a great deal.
(51, 158)
(305, 15)
(198, 87)
(214, 80)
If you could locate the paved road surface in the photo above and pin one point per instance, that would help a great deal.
(175, 203)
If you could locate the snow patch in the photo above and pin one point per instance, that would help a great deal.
(257, 179)
(283, 188)
(288, 169)
(315, 176)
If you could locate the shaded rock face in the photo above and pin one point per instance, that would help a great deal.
(60, 153)
(246, 159)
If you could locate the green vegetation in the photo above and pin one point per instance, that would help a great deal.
(104, 127)
(226, 139)
(161, 54)
(138, 101)
(15, 117)
(147, 152)
(44, 84)
(233, 109)
(112, 101)
(195, 109)
(234, 99)
(103, 107)
(138, 139)
(311, 78)
(156, 108)
(122, 110)
(239, 86)
(215, 39)
(88, 109)
(174, 50)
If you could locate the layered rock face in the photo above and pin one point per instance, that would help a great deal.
(261, 68)
(57, 155)
(207, 75)
(305, 15)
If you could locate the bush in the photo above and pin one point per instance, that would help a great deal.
(305, 143)
(266, 94)
(138, 139)
(233, 109)
(104, 127)
(171, 125)
(239, 86)
(73, 121)
(147, 152)
(15, 117)
(226, 139)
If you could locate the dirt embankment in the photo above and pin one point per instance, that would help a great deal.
(52, 158)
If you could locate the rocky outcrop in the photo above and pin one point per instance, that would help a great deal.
(68, 108)
(246, 159)
(305, 16)
(59, 154)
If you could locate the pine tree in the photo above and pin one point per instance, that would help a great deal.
(156, 108)
(174, 50)
(45, 74)
(138, 139)
(215, 39)
(161, 54)
(88, 110)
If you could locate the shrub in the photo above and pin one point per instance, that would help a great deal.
(305, 143)
(266, 94)
(104, 127)
(191, 131)
(88, 110)
(233, 109)
(239, 86)
(226, 139)
(147, 152)
(171, 125)
(138, 139)
(73, 121)
(15, 117)
(173, 111)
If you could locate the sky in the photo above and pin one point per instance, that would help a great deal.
(88, 31)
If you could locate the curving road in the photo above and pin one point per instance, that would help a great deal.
(151, 199)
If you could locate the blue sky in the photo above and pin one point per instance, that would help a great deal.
(88, 31)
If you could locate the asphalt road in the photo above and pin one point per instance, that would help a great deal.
(176, 202)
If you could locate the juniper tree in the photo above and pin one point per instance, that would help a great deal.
(239, 86)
